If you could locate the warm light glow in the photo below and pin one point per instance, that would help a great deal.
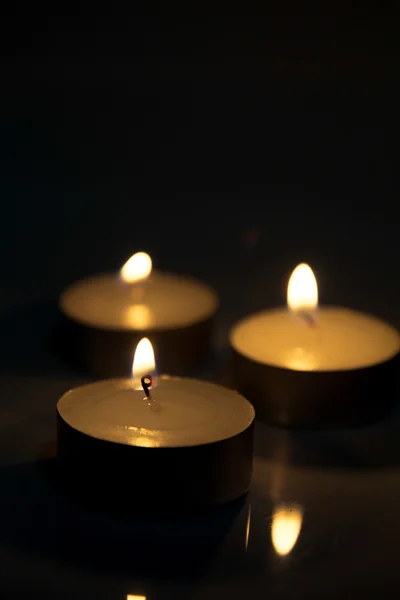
(135, 597)
(301, 359)
(286, 526)
(137, 268)
(138, 316)
(143, 362)
(302, 292)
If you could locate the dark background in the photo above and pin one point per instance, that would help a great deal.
(231, 143)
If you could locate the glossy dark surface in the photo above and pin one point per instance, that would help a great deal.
(342, 489)
(231, 148)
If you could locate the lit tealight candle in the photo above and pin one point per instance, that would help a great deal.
(162, 443)
(110, 313)
(313, 365)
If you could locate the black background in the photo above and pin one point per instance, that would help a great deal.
(229, 143)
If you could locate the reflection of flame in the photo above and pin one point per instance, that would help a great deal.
(248, 527)
(135, 597)
(286, 526)
(143, 362)
(302, 292)
(138, 316)
(137, 268)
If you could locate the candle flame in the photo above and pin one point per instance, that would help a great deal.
(137, 268)
(286, 526)
(143, 362)
(302, 291)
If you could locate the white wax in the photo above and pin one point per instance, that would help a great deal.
(164, 301)
(342, 339)
(184, 412)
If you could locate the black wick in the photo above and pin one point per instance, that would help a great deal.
(307, 318)
(147, 382)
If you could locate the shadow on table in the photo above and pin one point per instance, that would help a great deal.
(374, 446)
(36, 517)
(28, 340)
(371, 447)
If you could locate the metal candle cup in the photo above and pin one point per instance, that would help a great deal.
(315, 367)
(181, 446)
(107, 315)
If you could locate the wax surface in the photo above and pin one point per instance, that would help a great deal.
(341, 339)
(163, 301)
(185, 412)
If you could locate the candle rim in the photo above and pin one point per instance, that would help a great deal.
(161, 378)
(281, 310)
(79, 284)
